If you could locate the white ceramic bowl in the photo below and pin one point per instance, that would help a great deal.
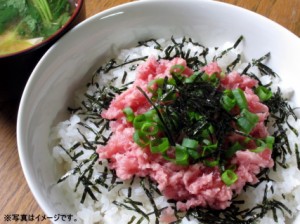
(65, 67)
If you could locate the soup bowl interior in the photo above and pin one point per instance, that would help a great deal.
(72, 60)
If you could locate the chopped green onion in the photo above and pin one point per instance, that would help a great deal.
(208, 145)
(190, 143)
(240, 98)
(139, 120)
(212, 79)
(211, 163)
(158, 94)
(151, 85)
(262, 145)
(205, 77)
(194, 116)
(229, 177)
(171, 81)
(149, 128)
(141, 139)
(228, 100)
(177, 69)
(270, 142)
(208, 148)
(206, 133)
(194, 153)
(155, 87)
(168, 158)
(258, 149)
(206, 141)
(192, 77)
(151, 115)
(162, 89)
(247, 121)
(263, 93)
(169, 96)
(233, 149)
(181, 155)
(128, 114)
(159, 145)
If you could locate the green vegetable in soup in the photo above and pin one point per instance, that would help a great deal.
(53, 13)
(28, 19)
(7, 14)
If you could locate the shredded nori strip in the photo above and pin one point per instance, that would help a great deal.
(232, 65)
(112, 64)
(146, 43)
(297, 156)
(75, 156)
(149, 192)
(133, 206)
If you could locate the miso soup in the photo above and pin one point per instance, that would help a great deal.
(24, 23)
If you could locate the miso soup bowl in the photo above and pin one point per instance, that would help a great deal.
(73, 59)
(16, 68)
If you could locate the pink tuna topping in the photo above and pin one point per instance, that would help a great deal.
(212, 68)
(195, 184)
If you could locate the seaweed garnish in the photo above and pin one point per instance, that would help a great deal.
(84, 171)
(224, 52)
(149, 41)
(267, 205)
(69, 151)
(133, 218)
(90, 109)
(130, 187)
(178, 48)
(234, 214)
(297, 156)
(263, 176)
(232, 65)
(151, 191)
(132, 205)
(280, 112)
(262, 67)
(124, 77)
(112, 64)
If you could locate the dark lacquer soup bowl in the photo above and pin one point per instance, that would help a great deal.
(17, 65)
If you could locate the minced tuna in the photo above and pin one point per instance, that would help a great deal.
(194, 184)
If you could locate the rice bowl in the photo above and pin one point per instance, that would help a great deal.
(40, 125)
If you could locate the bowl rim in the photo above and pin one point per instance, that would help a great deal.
(78, 6)
(21, 120)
